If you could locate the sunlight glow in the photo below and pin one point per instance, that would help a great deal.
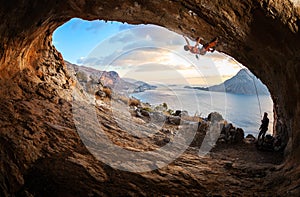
(127, 48)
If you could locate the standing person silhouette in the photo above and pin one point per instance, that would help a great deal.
(263, 127)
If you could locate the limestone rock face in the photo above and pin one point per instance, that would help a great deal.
(37, 134)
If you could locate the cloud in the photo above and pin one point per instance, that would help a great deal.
(154, 67)
(138, 39)
(134, 56)
(138, 44)
(80, 60)
(148, 35)
(183, 67)
(151, 49)
(216, 56)
(126, 26)
(89, 61)
(177, 41)
(157, 34)
(76, 23)
(142, 56)
(99, 25)
(156, 73)
(95, 26)
(124, 37)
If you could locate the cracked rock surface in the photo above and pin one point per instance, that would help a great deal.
(41, 151)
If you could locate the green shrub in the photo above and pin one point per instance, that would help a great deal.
(148, 109)
(170, 111)
(165, 105)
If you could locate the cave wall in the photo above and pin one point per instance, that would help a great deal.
(261, 34)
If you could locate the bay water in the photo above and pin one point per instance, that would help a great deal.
(244, 111)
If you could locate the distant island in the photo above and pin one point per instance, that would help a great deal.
(140, 86)
(244, 83)
(197, 88)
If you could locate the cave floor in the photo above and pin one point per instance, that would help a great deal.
(227, 170)
(67, 168)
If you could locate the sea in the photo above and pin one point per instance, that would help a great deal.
(244, 111)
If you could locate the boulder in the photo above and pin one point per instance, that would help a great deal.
(184, 113)
(138, 114)
(174, 120)
(177, 113)
(231, 134)
(167, 140)
(214, 117)
(239, 135)
(157, 117)
(249, 139)
(267, 144)
(145, 113)
(250, 136)
(167, 131)
(181, 113)
(100, 94)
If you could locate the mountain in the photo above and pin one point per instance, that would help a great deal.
(244, 82)
(92, 77)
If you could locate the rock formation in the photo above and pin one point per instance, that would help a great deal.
(40, 149)
(90, 78)
(244, 82)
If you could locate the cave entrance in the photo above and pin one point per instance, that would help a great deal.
(146, 68)
(36, 86)
(153, 54)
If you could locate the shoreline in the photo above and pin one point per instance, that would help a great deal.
(248, 121)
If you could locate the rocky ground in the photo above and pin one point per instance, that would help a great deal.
(229, 169)
(40, 149)
(45, 152)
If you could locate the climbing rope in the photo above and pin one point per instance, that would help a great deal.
(258, 100)
(256, 95)
(214, 41)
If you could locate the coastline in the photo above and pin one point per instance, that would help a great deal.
(233, 107)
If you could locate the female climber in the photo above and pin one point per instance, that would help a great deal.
(192, 49)
(210, 46)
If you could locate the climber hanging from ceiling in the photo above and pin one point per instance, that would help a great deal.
(210, 46)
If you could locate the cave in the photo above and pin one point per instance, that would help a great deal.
(40, 149)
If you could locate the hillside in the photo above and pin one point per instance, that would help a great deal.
(89, 76)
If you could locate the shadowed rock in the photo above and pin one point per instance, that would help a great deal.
(41, 150)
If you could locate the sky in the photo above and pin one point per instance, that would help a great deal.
(143, 52)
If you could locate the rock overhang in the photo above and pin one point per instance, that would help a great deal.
(262, 34)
